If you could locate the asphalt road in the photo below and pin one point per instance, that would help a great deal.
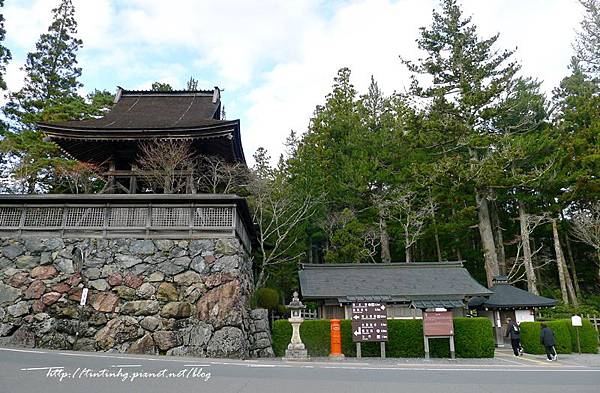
(23, 370)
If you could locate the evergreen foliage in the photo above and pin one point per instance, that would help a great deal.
(5, 55)
(473, 338)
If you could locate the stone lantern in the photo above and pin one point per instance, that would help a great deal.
(296, 349)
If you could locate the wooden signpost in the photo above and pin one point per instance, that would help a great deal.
(369, 323)
(438, 324)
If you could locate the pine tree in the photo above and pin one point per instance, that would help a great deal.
(587, 45)
(49, 94)
(51, 71)
(470, 80)
(5, 55)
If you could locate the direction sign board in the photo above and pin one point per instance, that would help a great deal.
(369, 322)
(438, 323)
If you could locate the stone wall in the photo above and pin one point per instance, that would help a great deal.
(145, 296)
(260, 334)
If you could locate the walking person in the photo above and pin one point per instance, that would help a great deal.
(513, 331)
(547, 340)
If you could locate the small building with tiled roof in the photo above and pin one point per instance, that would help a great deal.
(407, 288)
(508, 301)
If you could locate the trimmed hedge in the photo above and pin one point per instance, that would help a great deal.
(564, 335)
(473, 338)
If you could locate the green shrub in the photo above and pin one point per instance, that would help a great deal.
(588, 337)
(473, 338)
(267, 298)
(564, 335)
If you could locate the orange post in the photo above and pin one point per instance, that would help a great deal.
(336, 340)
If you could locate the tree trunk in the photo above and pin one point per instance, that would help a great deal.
(261, 280)
(435, 230)
(385, 240)
(529, 270)
(566, 287)
(572, 266)
(499, 240)
(407, 245)
(487, 238)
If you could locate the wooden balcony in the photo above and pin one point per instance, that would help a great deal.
(142, 216)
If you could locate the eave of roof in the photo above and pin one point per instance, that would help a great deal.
(507, 296)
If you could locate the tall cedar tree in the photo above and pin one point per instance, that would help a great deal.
(49, 94)
(587, 45)
(5, 54)
(469, 81)
(5, 57)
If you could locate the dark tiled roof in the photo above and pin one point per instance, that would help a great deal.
(151, 115)
(148, 110)
(391, 282)
(508, 296)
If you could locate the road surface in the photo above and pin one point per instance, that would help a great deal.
(24, 370)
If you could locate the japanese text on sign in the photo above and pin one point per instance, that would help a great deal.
(369, 322)
(438, 323)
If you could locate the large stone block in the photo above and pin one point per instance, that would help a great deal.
(141, 307)
(35, 290)
(124, 292)
(50, 298)
(228, 263)
(227, 247)
(196, 247)
(229, 342)
(144, 345)
(165, 340)
(117, 331)
(197, 335)
(170, 269)
(167, 292)
(104, 301)
(145, 291)
(8, 294)
(12, 251)
(216, 279)
(176, 310)
(142, 247)
(164, 245)
(222, 306)
(44, 272)
(194, 292)
(23, 337)
(99, 285)
(19, 309)
(151, 323)
(127, 261)
(19, 280)
(27, 261)
(198, 264)
(133, 281)
(92, 273)
(187, 278)
(64, 265)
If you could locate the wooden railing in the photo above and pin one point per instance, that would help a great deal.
(116, 219)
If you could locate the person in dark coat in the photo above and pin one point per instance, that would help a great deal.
(547, 340)
(513, 331)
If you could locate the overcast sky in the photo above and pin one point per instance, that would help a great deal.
(276, 59)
